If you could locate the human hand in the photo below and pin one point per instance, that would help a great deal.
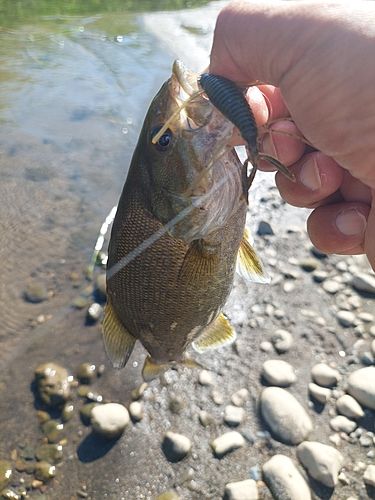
(319, 67)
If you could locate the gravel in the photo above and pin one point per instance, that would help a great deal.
(362, 387)
(284, 415)
(324, 375)
(284, 479)
(109, 420)
(227, 442)
(278, 372)
(321, 461)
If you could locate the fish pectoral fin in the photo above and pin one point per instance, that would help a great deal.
(248, 264)
(152, 370)
(118, 342)
(198, 262)
(220, 332)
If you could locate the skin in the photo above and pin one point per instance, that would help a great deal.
(317, 71)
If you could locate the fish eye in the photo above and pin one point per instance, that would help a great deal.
(165, 140)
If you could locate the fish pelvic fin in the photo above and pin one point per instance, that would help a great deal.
(219, 333)
(152, 370)
(248, 264)
(199, 263)
(118, 342)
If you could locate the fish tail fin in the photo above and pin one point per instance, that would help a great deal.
(118, 342)
(220, 332)
(248, 264)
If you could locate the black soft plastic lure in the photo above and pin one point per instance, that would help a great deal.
(229, 99)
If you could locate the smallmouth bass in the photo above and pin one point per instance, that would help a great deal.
(178, 232)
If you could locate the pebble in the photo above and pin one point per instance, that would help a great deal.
(5, 473)
(227, 442)
(233, 415)
(321, 461)
(266, 346)
(52, 429)
(242, 490)
(278, 372)
(282, 341)
(331, 286)
(324, 375)
(308, 265)
(217, 397)
(168, 495)
(284, 479)
(348, 406)
(364, 283)
(319, 276)
(320, 394)
(346, 318)
(289, 286)
(369, 475)
(372, 331)
(240, 397)
(206, 378)
(67, 412)
(366, 317)
(44, 471)
(362, 387)
(342, 424)
(52, 453)
(53, 383)
(373, 347)
(9, 494)
(284, 415)
(264, 229)
(175, 446)
(85, 412)
(205, 418)
(86, 373)
(109, 420)
(139, 391)
(136, 411)
(36, 292)
(335, 439)
(94, 312)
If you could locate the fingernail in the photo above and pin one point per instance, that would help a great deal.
(351, 222)
(310, 175)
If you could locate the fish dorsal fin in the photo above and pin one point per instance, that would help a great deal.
(199, 263)
(117, 340)
(152, 370)
(248, 263)
(217, 334)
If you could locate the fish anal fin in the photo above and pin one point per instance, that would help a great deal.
(118, 342)
(220, 332)
(201, 261)
(248, 263)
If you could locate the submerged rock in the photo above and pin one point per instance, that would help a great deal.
(36, 292)
(361, 386)
(284, 479)
(284, 415)
(109, 420)
(5, 473)
(86, 373)
(53, 383)
(176, 446)
(321, 461)
(52, 453)
(44, 471)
